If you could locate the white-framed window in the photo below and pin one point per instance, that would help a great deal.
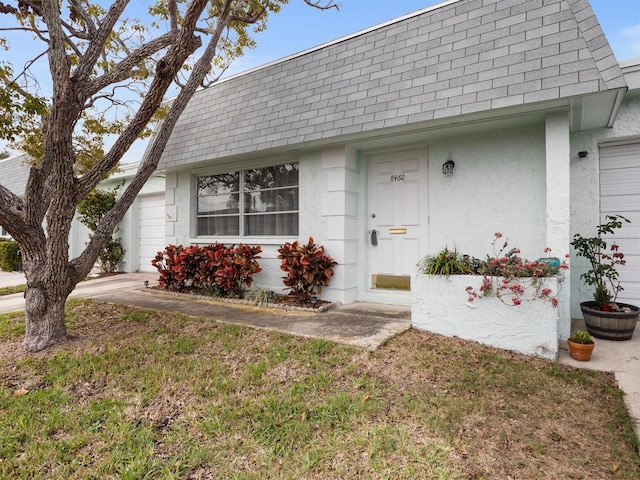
(247, 203)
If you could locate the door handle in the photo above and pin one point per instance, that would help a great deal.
(374, 237)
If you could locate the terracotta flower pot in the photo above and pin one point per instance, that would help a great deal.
(580, 351)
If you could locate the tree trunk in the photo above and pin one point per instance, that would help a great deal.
(44, 318)
(50, 279)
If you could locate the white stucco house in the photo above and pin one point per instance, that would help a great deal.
(351, 138)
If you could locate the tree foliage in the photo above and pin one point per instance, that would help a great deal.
(91, 209)
(96, 68)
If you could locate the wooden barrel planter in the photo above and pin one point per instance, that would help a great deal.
(610, 325)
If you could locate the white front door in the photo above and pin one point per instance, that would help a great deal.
(397, 216)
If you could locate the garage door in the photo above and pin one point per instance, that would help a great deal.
(151, 230)
(620, 194)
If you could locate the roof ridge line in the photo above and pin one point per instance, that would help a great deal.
(577, 6)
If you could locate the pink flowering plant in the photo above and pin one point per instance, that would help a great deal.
(507, 275)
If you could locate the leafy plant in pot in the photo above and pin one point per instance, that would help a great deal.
(446, 262)
(604, 317)
(580, 345)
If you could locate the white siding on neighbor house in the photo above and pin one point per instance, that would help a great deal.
(151, 230)
(620, 194)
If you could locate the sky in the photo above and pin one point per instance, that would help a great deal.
(299, 27)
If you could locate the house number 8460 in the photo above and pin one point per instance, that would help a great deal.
(397, 178)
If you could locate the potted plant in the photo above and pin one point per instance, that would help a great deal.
(581, 345)
(446, 262)
(604, 316)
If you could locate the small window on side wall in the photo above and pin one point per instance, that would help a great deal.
(249, 203)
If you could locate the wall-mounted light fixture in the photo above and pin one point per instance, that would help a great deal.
(448, 166)
(583, 154)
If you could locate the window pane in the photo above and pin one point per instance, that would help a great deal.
(219, 204)
(271, 177)
(219, 225)
(285, 199)
(266, 194)
(271, 224)
(213, 184)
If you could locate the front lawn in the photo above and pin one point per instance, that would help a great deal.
(143, 394)
(12, 289)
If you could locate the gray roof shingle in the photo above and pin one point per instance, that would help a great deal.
(456, 58)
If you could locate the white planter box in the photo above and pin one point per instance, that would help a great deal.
(440, 304)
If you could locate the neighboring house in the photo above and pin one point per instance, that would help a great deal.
(141, 230)
(351, 137)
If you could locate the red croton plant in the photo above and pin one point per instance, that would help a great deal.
(308, 268)
(229, 269)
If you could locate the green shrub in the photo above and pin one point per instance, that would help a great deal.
(308, 268)
(580, 336)
(111, 255)
(9, 258)
(91, 210)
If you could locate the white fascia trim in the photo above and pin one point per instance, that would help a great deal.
(631, 65)
(617, 106)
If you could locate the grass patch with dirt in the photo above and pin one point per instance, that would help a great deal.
(142, 394)
(12, 289)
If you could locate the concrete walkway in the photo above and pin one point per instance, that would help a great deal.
(363, 325)
(360, 324)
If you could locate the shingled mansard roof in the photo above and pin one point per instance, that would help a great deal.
(456, 58)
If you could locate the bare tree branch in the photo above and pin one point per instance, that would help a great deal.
(98, 40)
(17, 29)
(173, 15)
(319, 4)
(86, 18)
(11, 210)
(184, 44)
(122, 71)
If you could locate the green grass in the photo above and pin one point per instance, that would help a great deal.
(141, 394)
(13, 289)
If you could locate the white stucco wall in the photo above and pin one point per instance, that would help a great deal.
(313, 218)
(585, 186)
(498, 186)
(558, 208)
(439, 305)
